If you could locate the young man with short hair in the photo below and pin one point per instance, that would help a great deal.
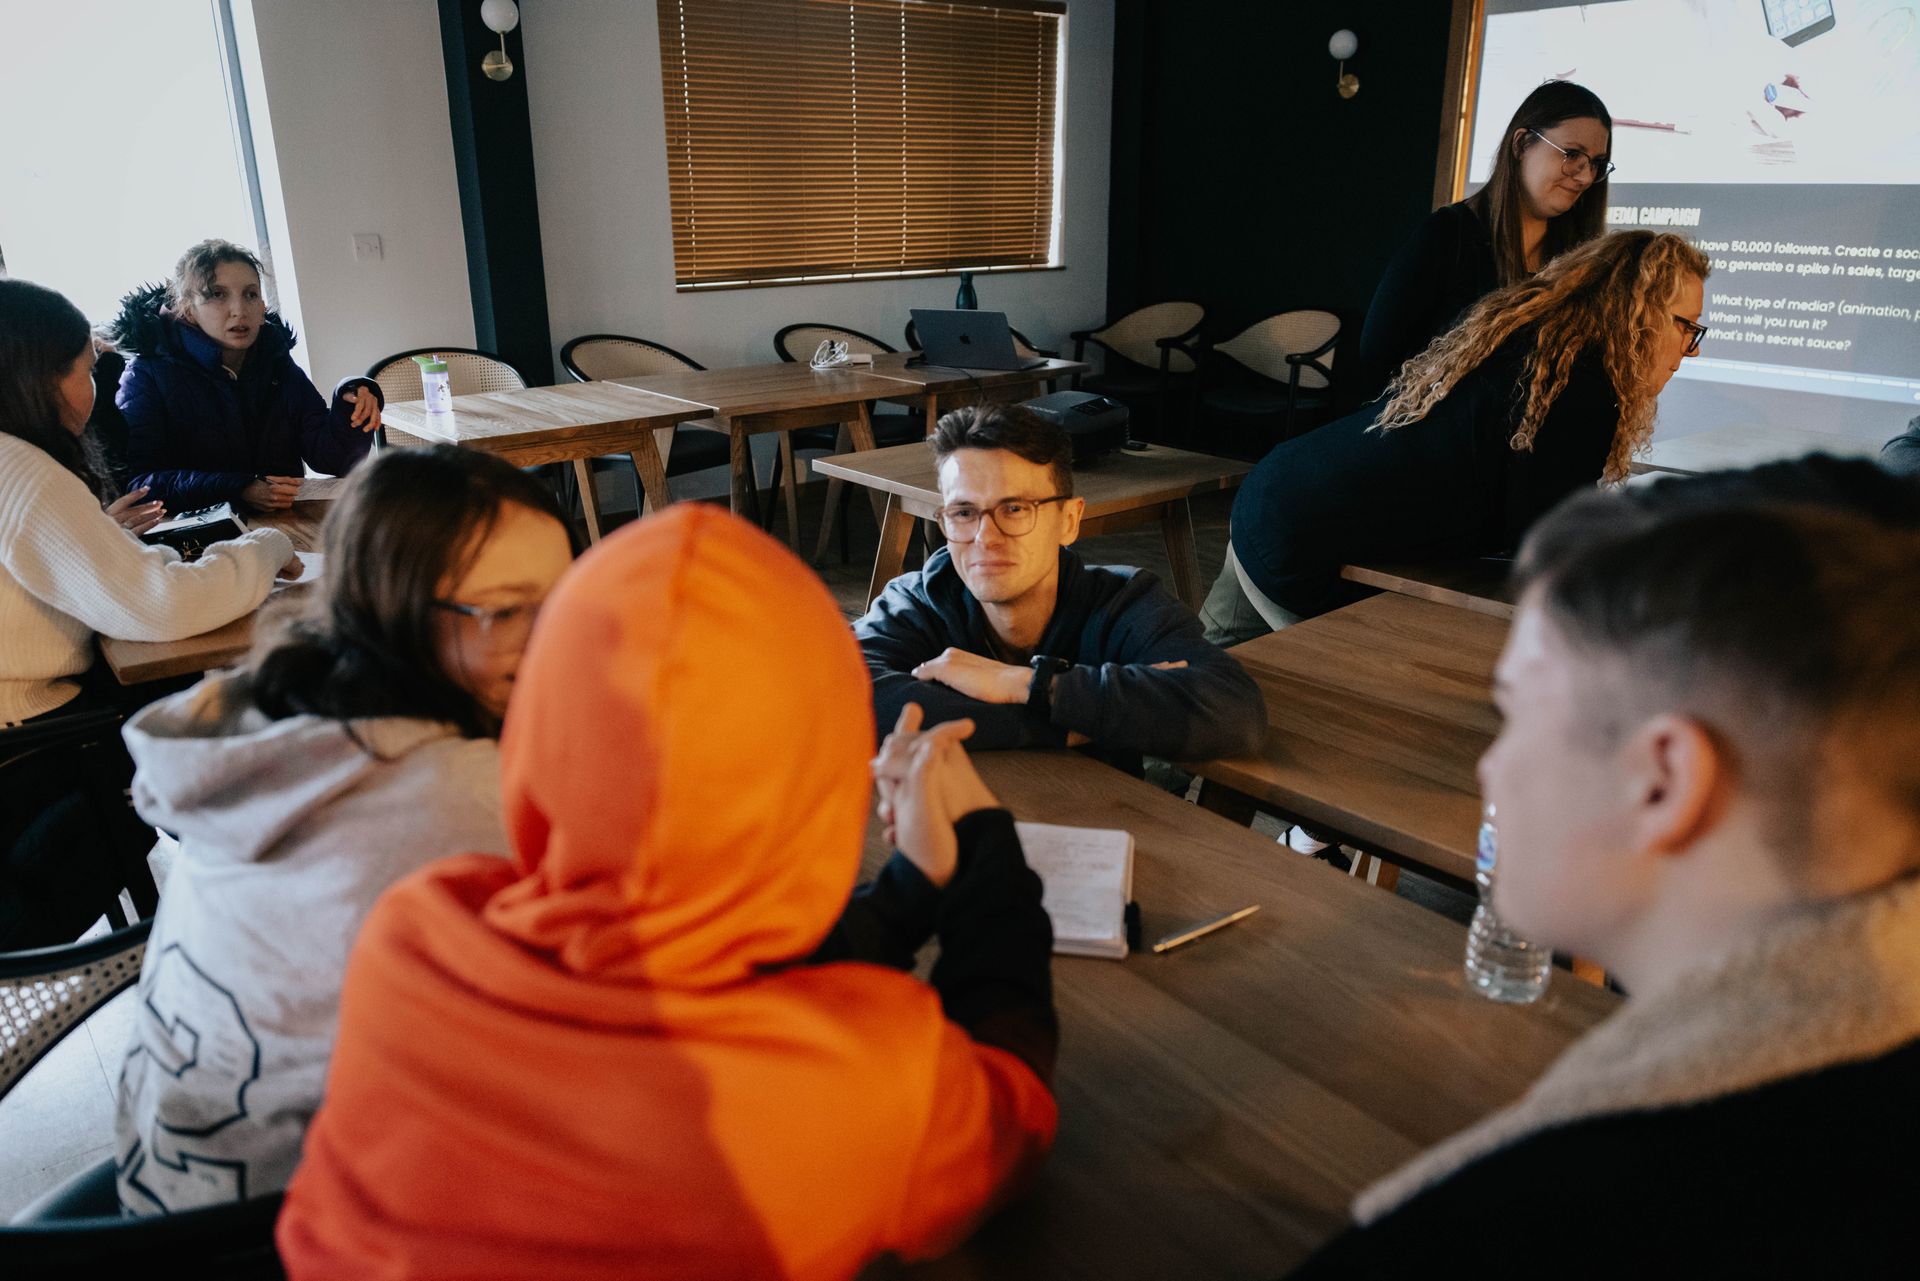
(1008, 626)
(1708, 782)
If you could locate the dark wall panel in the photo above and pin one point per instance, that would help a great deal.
(493, 160)
(1241, 178)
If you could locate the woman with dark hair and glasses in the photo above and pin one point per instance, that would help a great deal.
(1547, 193)
(356, 744)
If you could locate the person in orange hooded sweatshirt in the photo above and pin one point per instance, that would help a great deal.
(656, 1043)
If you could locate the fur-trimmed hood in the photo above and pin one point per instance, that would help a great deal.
(145, 327)
(1837, 983)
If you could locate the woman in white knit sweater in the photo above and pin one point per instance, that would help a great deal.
(69, 570)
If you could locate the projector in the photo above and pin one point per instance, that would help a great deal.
(1095, 424)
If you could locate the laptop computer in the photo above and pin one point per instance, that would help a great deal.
(969, 340)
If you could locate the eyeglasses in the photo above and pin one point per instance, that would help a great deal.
(1696, 333)
(1011, 516)
(505, 626)
(1575, 162)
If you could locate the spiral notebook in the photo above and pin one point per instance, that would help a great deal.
(1087, 879)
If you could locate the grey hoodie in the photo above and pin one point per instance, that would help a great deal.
(288, 831)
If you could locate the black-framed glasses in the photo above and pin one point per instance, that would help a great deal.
(498, 625)
(1574, 162)
(1011, 516)
(1696, 334)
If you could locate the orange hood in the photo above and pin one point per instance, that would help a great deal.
(684, 785)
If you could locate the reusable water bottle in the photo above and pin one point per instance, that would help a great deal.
(433, 384)
(966, 299)
(1500, 964)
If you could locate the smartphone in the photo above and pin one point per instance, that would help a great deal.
(1797, 21)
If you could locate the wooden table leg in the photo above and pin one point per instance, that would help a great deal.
(790, 488)
(896, 528)
(583, 476)
(835, 487)
(740, 462)
(860, 426)
(933, 411)
(650, 470)
(1183, 554)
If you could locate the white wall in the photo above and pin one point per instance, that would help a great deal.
(349, 104)
(600, 162)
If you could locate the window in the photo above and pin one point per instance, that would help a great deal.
(811, 139)
(117, 151)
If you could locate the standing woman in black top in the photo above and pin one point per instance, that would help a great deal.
(1543, 389)
(1547, 194)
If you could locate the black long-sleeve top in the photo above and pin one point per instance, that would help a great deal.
(994, 972)
(1113, 623)
(1448, 486)
(1445, 268)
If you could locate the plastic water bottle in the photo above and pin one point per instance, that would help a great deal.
(434, 389)
(1500, 964)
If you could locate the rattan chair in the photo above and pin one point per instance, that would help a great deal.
(692, 446)
(76, 1228)
(1136, 366)
(1278, 371)
(47, 992)
(470, 372)
(796, 344)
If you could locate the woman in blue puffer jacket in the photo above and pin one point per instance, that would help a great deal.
(216, 409)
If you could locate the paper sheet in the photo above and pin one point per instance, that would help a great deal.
(1087, 877)
(312, 565)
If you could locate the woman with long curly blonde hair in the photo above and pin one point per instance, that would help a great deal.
(1545, 387)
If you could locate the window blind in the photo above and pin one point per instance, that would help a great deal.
(810, 138)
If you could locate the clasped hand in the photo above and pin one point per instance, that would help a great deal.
(926, 783)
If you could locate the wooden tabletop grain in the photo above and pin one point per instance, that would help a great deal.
(134, 662)
(763, 389)
(1747, 446)
(1116, 482)
(1376, 716)
(1220, 1105)
(543, 424)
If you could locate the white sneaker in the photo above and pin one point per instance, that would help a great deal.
(1297, 840)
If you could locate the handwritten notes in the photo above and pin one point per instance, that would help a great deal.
(1087, 875)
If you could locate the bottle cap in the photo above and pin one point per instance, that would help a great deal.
(430, 364)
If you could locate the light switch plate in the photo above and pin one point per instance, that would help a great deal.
(366, 247)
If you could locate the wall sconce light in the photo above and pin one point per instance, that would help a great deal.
(1343, 46)
(501, 16)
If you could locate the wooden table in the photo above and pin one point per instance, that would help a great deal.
(1122, 490)
(1376, 716)
(1483, 584)
(755, 399)
(571, 423)
(935, 388)
(1747, 446)
(134, 662)
(1221, 1105)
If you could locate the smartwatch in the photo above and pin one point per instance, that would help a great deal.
(1040, 696)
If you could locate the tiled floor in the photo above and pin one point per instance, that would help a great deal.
(59, 1119)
